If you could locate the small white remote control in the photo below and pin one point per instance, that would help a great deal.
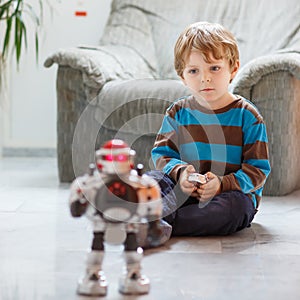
(197, 178)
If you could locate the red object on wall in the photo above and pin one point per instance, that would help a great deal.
(80, 13)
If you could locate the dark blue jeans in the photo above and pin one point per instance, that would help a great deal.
(225, 214)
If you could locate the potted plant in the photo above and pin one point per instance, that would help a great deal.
(12, 16)
(15, 18)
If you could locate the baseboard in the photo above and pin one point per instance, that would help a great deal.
(28, 152)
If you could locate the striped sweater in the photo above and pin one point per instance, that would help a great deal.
(231, 142)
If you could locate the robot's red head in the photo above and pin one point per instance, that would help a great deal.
(115, 156)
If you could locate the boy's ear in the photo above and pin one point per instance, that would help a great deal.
(234, 70)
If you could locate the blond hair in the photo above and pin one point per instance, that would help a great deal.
(208, 38)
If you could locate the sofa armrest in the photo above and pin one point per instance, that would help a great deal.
(272, 83)
(102, 64)
(249, 75)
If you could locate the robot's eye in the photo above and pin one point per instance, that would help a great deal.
(119, 157)
(108, 157)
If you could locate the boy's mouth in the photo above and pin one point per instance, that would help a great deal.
(207, 90)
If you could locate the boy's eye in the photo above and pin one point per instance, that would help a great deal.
(215, 68)
(192, 71)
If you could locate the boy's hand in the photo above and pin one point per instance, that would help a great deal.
(186, 186)
(208, 190)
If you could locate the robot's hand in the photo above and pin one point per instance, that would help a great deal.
(154, 233)
(78, 208)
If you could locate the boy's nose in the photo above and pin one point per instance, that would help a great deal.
(207, 79)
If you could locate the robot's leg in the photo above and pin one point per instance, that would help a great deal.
(132, 281)
(94, 282)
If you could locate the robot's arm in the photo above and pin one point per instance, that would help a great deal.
(78, 208)
(153, 214)
(77, 201)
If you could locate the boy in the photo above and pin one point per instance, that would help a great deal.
(211, 132)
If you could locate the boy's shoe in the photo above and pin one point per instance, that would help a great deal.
(143, 238)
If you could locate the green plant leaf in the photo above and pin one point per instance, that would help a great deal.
(37, 47)
(4, 8)
(7, 37)
(19, 30)
(25, 34)
(12, 12)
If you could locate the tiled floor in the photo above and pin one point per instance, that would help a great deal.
(42, 248)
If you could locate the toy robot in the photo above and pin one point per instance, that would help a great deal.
(116, 199)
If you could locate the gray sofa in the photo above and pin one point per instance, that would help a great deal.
(122, 87)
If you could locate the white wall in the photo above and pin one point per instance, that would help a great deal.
(30, 118)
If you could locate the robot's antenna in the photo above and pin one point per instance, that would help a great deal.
(139, 169)
(92, 168)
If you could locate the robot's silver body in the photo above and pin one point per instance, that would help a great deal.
(116, 199)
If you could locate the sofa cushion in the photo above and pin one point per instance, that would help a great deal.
(129, 26)
(136, 106)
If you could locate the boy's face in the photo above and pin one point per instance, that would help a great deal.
(209, 81)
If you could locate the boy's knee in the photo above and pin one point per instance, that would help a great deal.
(242, 210)
(241, 204)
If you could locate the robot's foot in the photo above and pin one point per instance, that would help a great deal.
(134, 286)
(93, 285)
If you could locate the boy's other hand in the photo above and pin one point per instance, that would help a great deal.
(210, 189)
(186, 186)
